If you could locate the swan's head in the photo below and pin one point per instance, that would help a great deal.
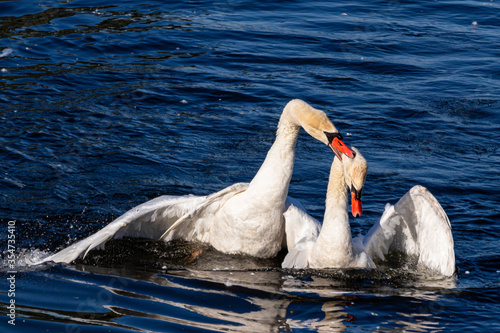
(355, 173)
(316, 124)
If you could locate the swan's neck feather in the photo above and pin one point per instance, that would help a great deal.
(273, 177)
(253, 220)
(333, 248)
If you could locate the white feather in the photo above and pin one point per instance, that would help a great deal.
(148, 220)
(425, 231)
(301, 232)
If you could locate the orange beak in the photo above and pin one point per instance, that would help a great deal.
(338, 146)
(357, 210)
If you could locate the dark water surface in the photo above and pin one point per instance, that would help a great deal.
(105, 105)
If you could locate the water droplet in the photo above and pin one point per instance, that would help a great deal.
(6, 52)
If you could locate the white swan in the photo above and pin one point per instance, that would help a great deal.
(242, 218)
(417, 226)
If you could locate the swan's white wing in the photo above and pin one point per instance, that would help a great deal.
(148, 220)
(295, 214)
(197, 222)
(379, 238)
(151, 220)
(301, 230)
(425, 231)
(417, 225)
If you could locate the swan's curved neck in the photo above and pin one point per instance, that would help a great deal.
(336, 194)
(273, 177)
(333, 248)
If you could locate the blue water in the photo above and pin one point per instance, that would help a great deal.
(105, 105)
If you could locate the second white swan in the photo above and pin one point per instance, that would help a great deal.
(417, 226)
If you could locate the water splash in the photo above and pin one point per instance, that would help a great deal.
(24, 260)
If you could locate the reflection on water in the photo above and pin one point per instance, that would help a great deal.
(257, 307)
(218, 292)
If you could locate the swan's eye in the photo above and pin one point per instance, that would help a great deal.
(337, 146)
(357, 193)
(331, 136)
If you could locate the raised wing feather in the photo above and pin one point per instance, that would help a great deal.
(301, 230)
(377, 242)
(148, 220)
(196, 223)
(153, 219)
(418, 226)
(425, 231)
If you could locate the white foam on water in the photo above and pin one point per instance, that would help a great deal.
(6, 52)
(22, 260)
